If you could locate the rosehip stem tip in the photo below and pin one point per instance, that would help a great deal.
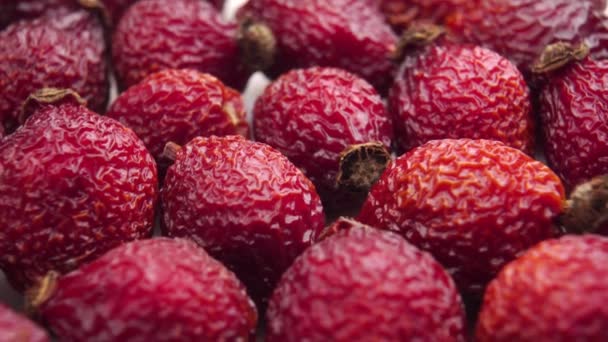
(586, 210)
(558, 55)
(361, 166)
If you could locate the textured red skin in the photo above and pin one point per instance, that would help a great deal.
(151, 290)
(312, 115)
(179, 105)
(401, 13)
(521, 29)
(73, 185)
(574, 112)
(63, 50)
(474, 204)
(16, 328)
(246, 204)
(347, 34)
(455, 91)
(155, 34)
(557, 291)
(365, 284)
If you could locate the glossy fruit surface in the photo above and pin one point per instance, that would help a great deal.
(73, 184)
(555, 292)
(474, 204)
(178, 105)
(154, 35)
(364, 284)
(150, 290)
(574, 110)
(16, 328)
(456, 91)
(520, 29)
(245, 203)
(64, 49)
(346, 34)
(313, 115)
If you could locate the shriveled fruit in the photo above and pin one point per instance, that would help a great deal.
(574, 110)
(402, 13)
(16, 328)
(461, 91)
(178, 105)
(347, 34)
(520, 29)
(64, 49)
(364, 284)
(329, 123)
(474, 204)
(150, 290)
(555, 292)
(245, 203)
(73, 184)
(155, 34)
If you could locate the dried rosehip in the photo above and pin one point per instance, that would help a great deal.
(557, 291)
(245, 203)
(329, 123)
(574, 110)
(457, 91)
(15, 328)
(364, 284)
(474, 204)
(155, 34)
(520, 29)
(402, 13)
(346, 34)
(179, 105)
(151, 290)
(73, 184)
(64, 49)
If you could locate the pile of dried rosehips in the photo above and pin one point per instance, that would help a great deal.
(417, 170)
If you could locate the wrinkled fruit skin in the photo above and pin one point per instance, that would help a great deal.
(574, 110)
(448, 197)
(73, 185)
(64, 49)
(526, 27)
(556, 291)
(312, 115)
(246, 204)
(402, 13)
(16, 328)
(151, 290)
(177, 106)
(346, 34)
(155, 34)
(454, 91)
(364, 284)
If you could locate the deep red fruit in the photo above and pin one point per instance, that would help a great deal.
(73, 184)
(316, 117)
(520, 29)
(151, 290)
(455, 91)
(363, 284)
(155, 34)
(347, 34)
(64, 50)
(474, 204)
(179, 105)
(574, 113)
(15, 328)
(245, 203)
(557, 291)
(402, 13)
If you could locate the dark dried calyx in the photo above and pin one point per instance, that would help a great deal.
(48, 96)
(361, 166)
(586, 210)
(417, 36)
(558, 55)
(41, 292)
(257, 44)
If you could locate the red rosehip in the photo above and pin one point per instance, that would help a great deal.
(245, 203)
(557, 291)
(402, 13)
(73, 184)
(474, 204)
(150, 290)
(16, 328)
(364, 284)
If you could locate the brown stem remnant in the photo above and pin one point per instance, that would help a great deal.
(41, 292)
(47, 96)
(361, 165)
(171, 150)
(258, 45)
(586, 210)
(417, 36)
(558, 55)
